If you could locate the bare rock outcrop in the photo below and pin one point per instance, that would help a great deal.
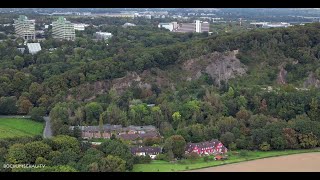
(311, 81)
(220, 66)
(281, 79)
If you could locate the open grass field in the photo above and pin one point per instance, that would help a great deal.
(185, 165)
(18, 127)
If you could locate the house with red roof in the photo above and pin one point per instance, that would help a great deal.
(206, 148)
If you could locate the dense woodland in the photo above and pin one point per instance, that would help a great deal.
(239, 112)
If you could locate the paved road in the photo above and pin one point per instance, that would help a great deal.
(305, 162)
(47, 133)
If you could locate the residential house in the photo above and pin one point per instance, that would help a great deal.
(146, 150)
(131, 133)
(206, 148)
(138, 138)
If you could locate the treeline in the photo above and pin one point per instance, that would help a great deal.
(66, 154)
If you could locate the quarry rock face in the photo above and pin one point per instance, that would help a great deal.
(281, 79)
(311, 81)
(220, 66)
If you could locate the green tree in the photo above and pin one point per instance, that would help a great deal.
(8, 105)
(37, 113)
(308, 140)
(18, 61)
(37, 149)
(176, 144)
(17, 154)
(114, 115)
(176, 116)
(226, 124)
(36, 91)
(314, 112)
(92, 155)
(117, 148)
(65, 157)
(64, 143)
(24, 105)
(93, 111)
(41, 160)
(111, 164)
(227, 138)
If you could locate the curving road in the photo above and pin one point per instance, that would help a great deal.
(47, 133)
(305, 162)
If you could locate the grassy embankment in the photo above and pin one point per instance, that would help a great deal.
(183, 165)
(19, 127)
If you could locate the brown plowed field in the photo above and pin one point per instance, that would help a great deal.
(306, 162)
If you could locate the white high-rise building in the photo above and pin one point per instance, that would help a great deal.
(63, 29)
(25, 28)
(198, 26)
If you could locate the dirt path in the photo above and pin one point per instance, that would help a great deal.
(305, 162)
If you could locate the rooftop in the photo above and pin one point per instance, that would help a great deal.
(34, 47)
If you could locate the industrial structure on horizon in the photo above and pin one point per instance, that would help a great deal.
(197, 27)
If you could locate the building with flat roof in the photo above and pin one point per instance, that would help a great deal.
(103, 35)
(170, 26)
(197, 27)
(128, 25)
(25, 28)
(80, 27)
(63, 29)
(34, 48)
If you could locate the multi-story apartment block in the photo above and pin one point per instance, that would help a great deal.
(25, 28)
(63, 29)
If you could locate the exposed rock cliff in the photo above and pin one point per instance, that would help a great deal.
(220, 66)
(312, 81)
(281, 79)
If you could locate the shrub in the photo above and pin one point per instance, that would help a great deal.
(232, 146)
(142, 159)
(264, 146)
(163, 157)
(192, 156)
(307, 140)
(243, 153)
(206, 158)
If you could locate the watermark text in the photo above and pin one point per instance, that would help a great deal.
(13, 166)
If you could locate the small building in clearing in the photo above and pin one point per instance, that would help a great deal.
(34, 48)
(146, 150)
